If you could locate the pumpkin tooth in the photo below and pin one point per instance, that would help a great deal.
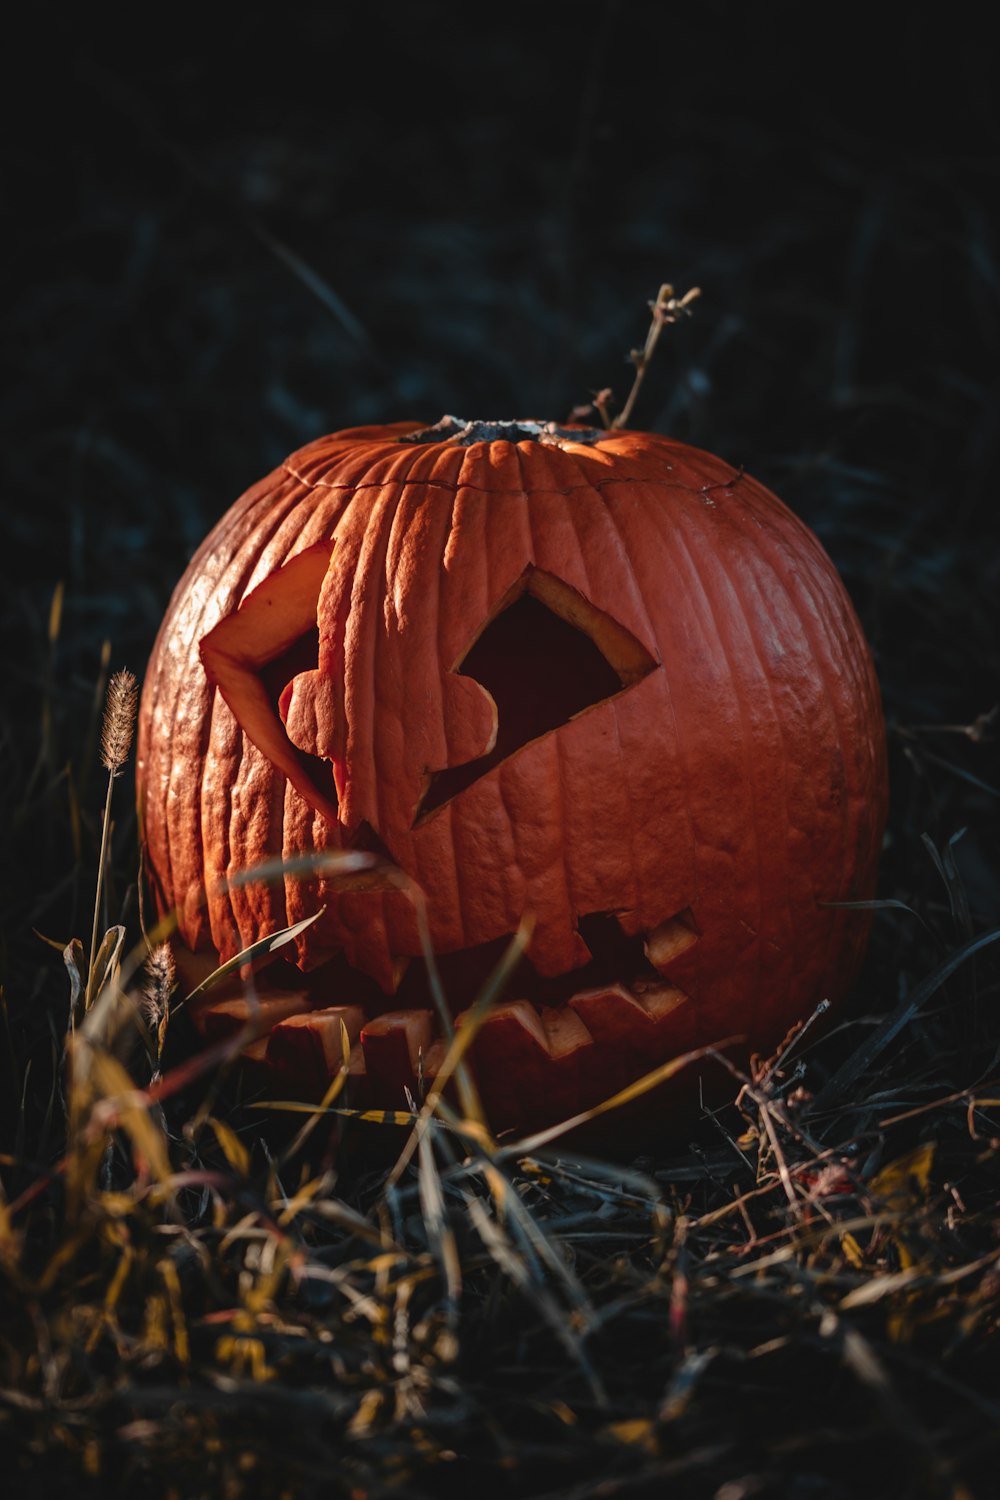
(392, 1045)
(434, 1056)
(565, 1032)
(305, 1049)
(666, 942)
(554, 1030)
(217, 1019)
(515, 1016)
(358, 1092)
(637, 1022)
(535, 1064)
(256, 1052)
(658, 1000)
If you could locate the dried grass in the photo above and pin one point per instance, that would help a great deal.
(816, 1282)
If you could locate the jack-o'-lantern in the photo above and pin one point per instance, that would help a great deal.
(597, 676)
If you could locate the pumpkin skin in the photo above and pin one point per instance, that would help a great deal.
(724, 778)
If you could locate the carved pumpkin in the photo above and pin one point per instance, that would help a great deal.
(597, 676)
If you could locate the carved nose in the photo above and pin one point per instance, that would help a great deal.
(306, 710)
(342, 765)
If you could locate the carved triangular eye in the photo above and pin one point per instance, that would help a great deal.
(545, 658)
(254, 652)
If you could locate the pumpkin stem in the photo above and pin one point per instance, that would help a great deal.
(665, 309)
(464, 433)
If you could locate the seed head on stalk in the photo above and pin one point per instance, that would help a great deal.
(116, 742)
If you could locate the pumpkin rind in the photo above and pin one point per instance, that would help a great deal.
(735, 786)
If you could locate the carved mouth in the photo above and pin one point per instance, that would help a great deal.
(559, 1047)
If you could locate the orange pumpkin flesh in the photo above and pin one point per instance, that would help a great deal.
(599, 677)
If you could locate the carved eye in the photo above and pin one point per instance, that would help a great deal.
(546, 657)
(253, 653)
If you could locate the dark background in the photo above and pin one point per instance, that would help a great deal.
(222, 242)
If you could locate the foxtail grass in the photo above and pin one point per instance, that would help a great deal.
(117, 731)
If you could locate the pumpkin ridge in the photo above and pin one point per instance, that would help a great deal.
(818, 590)
(602, 507)
(510, 549)
(661, 521)
(747, 739)
(567, 916)
(220, 909)
(777, 583)
(738, 598)
(147, 755)
(624, 780)
(241, 563)
(622, 542)
(419, 595)
(361, 641)
(660, 515)
(741, 818)
(822, 581)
